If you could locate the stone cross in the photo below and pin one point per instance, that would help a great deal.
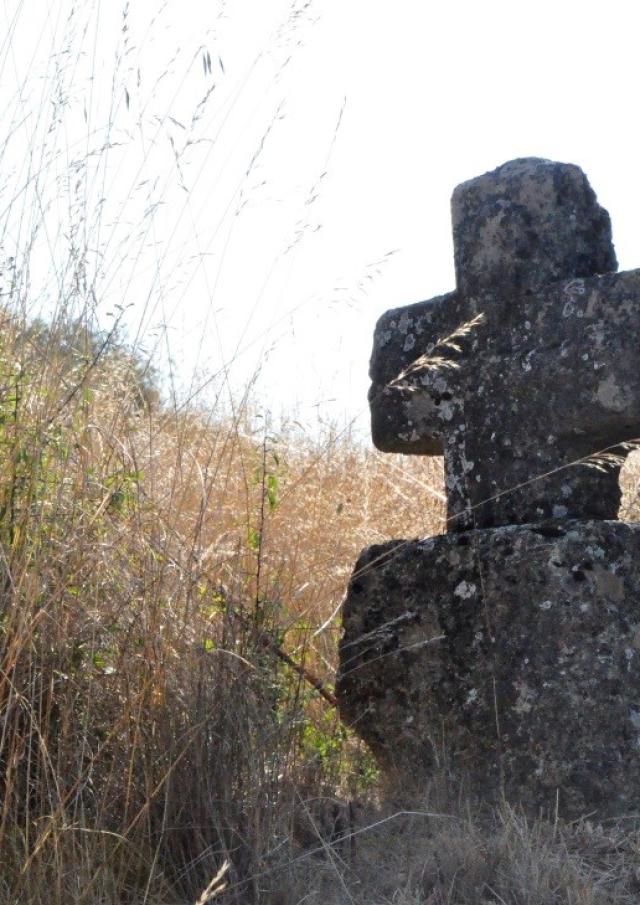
(530, 366)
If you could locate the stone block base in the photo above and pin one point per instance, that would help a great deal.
(511, 654)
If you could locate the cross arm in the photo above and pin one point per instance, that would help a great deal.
(409, 344)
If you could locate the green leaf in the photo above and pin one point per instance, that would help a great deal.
(254, 540)
(272, 491)
(99, 660)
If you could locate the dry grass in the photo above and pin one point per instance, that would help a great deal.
(157, 570)
(170, 593)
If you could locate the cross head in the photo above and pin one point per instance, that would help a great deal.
(530, 367)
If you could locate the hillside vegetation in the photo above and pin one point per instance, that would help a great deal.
(171, 582)
(170, 588)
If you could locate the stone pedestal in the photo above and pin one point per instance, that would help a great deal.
(512, 654)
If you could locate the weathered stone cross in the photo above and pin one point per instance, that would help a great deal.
(531, 365)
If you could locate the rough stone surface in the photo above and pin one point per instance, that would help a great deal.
(510, 654)
(509, 648)
(530, 366)
(529, 223)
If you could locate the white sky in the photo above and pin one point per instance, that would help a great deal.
(244, 269)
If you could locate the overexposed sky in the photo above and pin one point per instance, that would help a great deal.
(279, 171)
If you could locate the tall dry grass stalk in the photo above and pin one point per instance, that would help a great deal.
(169, 582)
(170, 575)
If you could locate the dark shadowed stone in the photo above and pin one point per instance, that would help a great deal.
(511, 654)
(530, 366)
